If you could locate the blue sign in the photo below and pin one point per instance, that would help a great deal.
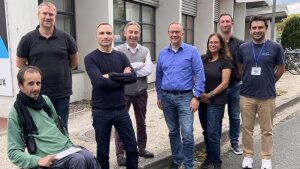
(3, 50)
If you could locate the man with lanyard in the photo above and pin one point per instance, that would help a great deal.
(233, 90)
(260, 64)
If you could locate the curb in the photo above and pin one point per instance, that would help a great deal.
(163, 159)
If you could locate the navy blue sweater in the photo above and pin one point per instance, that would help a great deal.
(108, 93)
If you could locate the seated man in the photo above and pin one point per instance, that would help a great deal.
(33, 123)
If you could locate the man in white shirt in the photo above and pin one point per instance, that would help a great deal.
(136, 93)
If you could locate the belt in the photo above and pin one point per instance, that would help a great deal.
(177, 92)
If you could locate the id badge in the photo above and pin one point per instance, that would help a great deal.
(256, 71)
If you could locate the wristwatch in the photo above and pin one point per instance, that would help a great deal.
(196, 97)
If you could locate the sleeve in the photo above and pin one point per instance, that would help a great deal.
(147, 69)
(159, 76)
(227, 64)
(199, 75)
(124, 78)
(72, 47)
(280, 58)
(239, 57)
(95, 75)
(16, 146)
(23, 47)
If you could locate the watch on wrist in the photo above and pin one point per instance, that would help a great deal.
(196, 97)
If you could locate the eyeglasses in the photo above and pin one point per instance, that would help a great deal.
(214, 42)
(174, 32)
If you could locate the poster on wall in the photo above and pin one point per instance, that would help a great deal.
(5, 64)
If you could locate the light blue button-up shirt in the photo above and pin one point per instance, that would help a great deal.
(180, 70)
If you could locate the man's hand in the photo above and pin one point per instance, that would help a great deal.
(105, 76)
(46, 161)
(127, 70)
(159, 105)
(194, 104)
(205, 98)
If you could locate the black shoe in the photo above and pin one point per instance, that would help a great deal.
(174, 166)
(236, 149)
(207, 165)
(145, 154)
(121, 160)
(217, 166)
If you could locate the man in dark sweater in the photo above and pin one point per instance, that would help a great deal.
(109, 70)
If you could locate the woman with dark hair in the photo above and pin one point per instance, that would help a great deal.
(217, 68)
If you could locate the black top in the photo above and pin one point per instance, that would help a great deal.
(108, 93)
(233, 45)
(52, 56)
(213, 76)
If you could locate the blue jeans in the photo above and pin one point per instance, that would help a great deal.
(233, 95)
(211, 116)
(178, 116)
(103, 120)
(61, 106)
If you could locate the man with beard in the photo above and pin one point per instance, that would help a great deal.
(260, 64)
(34, 124)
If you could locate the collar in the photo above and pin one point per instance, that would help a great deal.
(54, 34)
(181, 47)
(133, 50)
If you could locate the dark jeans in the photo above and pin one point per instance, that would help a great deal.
(233, 95)
(61, 106)
(103, 120)
(211, 116)
(139, 103)
(83, 159)
(180, 120)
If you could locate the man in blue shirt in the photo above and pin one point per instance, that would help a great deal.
(179, 84)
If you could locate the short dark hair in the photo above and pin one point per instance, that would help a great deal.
(258, 18)
(104, 24)
(27, 68)
(225, 14)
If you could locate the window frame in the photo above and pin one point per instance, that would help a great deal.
(141, 23)
(185, 29)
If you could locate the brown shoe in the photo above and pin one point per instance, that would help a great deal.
(145, 154)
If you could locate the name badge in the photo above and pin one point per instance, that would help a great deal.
(256, 71)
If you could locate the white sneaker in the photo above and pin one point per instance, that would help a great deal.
(266, 164)
(247, 162)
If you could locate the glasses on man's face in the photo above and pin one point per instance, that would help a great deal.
(174, 32)
(214, 42)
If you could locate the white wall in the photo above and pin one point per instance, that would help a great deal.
(239, 15)
(88, 16)
(204, 24)
(20, 20)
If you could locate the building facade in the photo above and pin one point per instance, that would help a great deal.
(80, 19)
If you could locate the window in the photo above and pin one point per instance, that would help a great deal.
(65, 19)
(188, 28)
(124, 12)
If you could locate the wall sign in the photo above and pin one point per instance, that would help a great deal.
(5, 64)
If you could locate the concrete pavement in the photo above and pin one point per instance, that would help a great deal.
(81, 131)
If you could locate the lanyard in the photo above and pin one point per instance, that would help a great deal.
(259, 55)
